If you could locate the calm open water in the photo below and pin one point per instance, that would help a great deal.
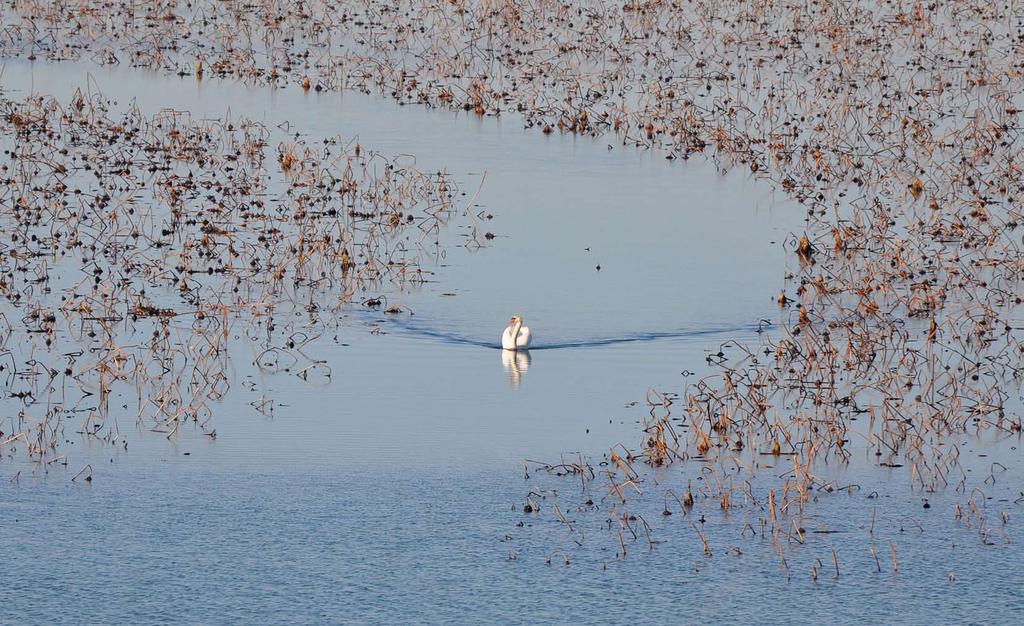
(393, 493)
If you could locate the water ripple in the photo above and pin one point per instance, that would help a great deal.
(417, 327)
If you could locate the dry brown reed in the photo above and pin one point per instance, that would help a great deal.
(895, 125)
(142, 251)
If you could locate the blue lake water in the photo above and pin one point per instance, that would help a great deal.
(393, 491)
(178, 540)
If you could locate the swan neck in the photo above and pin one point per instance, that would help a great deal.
(515, 331)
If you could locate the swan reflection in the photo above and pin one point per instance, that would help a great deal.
(516, 362)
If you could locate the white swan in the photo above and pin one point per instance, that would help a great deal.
(516, 335)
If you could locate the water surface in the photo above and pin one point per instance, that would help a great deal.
(392, 492)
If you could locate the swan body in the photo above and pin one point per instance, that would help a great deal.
(516, 336)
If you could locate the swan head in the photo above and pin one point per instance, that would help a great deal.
(515, 319)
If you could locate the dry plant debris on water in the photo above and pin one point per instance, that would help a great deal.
(896, 124)
(140, 252)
